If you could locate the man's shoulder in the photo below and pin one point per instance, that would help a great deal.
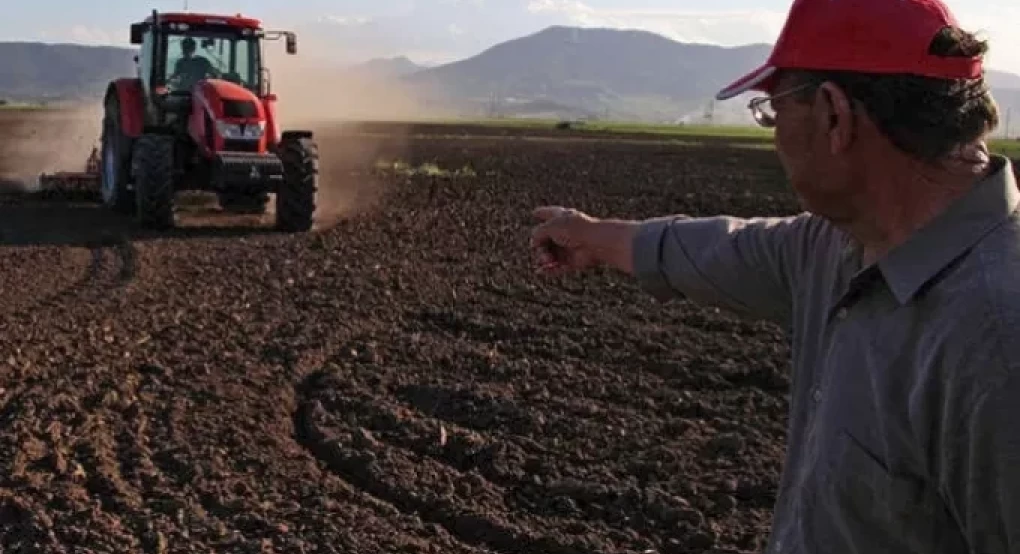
(980, 292)
(994, 266)
(815, 240)
(991, 268)
(804, 227)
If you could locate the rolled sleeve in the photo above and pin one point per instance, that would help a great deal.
(743, 265)
(647, 250)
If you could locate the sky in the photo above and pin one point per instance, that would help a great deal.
(440, 31)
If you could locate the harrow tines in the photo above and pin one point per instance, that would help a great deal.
(68, 186)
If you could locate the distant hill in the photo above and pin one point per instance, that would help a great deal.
(388, 67)
(1001, 79)
(34, 71)
(626, 73)
(621, 74)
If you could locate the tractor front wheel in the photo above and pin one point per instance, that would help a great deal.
(113, 161)
(152, 167)
(295, 199)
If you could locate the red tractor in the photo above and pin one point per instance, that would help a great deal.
(200, 115)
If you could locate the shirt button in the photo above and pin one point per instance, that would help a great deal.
(842, 313)
(817, 395)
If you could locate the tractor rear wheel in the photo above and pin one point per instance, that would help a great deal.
(295, 199)
(114, 166)
(152, 167)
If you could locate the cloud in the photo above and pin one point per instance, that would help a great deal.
(83, 34)
(724, 27)
(90, 35)
(571, 7)
(346, 20)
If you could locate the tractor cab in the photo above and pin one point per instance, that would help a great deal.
(179, 50)
(193, 57)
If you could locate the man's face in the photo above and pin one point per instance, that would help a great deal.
(821, 178)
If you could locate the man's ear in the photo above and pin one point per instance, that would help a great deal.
(835, 117)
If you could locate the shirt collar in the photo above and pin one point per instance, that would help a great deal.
(911, 265)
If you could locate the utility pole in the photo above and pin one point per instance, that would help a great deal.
(709, 116)
(494, 105)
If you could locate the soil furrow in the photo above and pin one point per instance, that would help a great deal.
(414, 485)
(399, 380)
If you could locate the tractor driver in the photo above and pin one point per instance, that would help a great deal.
(191, 68)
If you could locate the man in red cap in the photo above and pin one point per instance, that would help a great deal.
(898, 283)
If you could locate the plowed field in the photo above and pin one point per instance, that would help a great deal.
(399, 380)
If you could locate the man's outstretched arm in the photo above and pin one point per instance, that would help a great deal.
(744, 265)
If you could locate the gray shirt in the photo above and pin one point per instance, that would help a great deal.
(904, 430)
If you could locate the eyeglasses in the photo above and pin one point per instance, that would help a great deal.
(762, 110)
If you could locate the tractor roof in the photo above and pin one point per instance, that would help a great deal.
(238, 20)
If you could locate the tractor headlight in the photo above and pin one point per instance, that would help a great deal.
(250, 131)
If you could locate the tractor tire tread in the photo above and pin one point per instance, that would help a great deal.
(295, 199)
(124, 201)
(152, 165)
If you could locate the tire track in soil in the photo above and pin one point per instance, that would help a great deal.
(91, 458)
(112, 264)
(474, 484)
(25, 288)
(569, 429)
(85, 308)
(409, 480)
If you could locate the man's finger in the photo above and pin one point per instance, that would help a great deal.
(542, 235)
(551, 269)
(545, 213)
(546, 258)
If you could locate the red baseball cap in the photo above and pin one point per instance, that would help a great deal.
(870, 36)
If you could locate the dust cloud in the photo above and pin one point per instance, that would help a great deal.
(335, 102)
(35, 142)
(318, 93)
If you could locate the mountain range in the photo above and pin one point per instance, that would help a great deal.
(34, 71)
(565, 72)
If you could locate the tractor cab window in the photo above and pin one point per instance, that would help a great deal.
(191, 58)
